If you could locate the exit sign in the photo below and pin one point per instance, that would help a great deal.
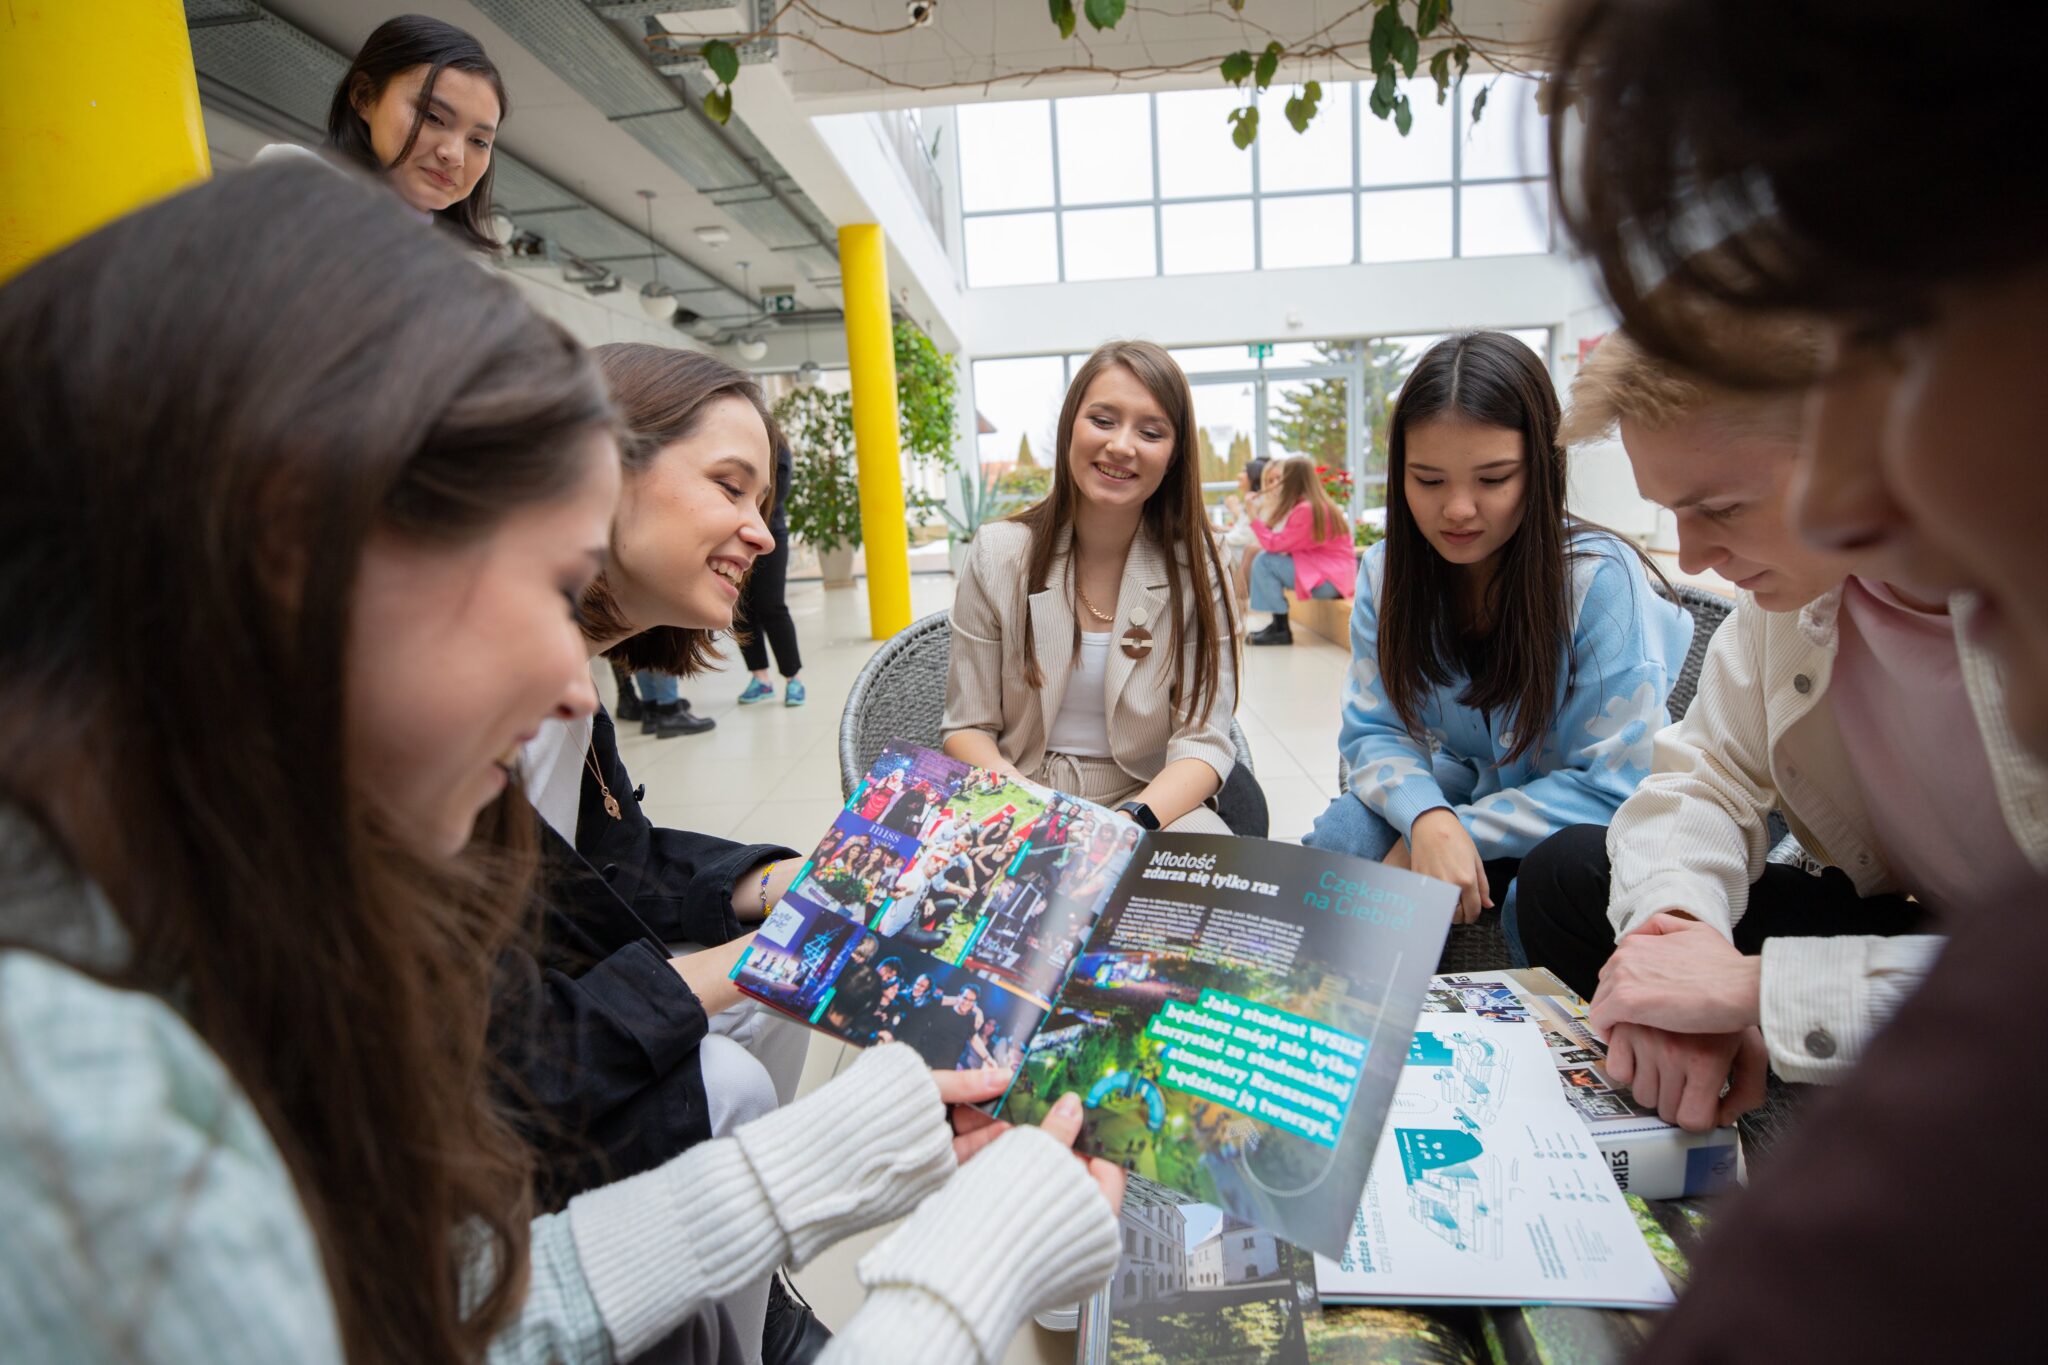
(1260, 350)
(778, 303)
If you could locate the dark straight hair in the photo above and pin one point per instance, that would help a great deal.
(205, 416)
(1174, 517)
(403, 44)
(1515, 649)
(661, 393)
(1793, 175)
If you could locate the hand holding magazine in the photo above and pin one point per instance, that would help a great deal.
(1233, 1012)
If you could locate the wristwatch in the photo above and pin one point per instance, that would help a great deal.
(1140, 813)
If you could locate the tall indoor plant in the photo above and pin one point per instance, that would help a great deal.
(824, 495)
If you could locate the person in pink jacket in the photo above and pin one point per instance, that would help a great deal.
(1306, 547)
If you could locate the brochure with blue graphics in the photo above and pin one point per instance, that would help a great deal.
(1233, 1012)
(1488, 1188)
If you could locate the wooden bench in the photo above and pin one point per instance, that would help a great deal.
(1329, 617)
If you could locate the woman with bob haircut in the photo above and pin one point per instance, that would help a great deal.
(248, 1105)
(1093, 644)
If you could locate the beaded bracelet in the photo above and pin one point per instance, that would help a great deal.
(766, 873)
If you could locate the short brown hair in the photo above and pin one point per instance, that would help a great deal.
(661, 393)
(1620, 381)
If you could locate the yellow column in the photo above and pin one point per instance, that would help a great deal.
(871, 355)
(99, 114)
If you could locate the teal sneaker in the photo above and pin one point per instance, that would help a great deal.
(793, 693)
(756, 691)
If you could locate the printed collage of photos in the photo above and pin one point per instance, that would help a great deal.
(1577, 1054)
(942, 909)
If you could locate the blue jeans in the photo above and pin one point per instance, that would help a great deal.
(657, 689)
(1272, 576)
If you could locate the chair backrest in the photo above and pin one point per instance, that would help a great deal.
(1708, 610)
(901, 694)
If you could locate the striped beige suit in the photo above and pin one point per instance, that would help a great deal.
(989, 690)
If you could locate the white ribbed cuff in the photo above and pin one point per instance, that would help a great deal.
(1022, 1227)
(1824, 999)
(860, 1151)
(1701, 897)
(658, 1246)
(903, 1325)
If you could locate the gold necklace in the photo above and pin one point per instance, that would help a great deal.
(611, 803)
(1093, 610)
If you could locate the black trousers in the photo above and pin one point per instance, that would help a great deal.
(765, 612)
(1561, 907)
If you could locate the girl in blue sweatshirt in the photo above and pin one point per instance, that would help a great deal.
(1509, 663)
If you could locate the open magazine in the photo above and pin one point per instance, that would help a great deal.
(1233, 1012)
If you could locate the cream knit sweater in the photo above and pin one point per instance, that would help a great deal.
(1760, 735)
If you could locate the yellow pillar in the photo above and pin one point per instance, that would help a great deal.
(871, 355)
(99, 114)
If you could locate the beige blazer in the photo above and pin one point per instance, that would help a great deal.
(987, 688)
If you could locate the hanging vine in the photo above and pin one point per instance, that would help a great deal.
(1386, 49)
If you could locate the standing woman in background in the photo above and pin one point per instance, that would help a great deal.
(764, 610)
(1306, 547)
(1093, 644)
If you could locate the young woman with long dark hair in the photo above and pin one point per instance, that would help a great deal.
(1093, 649)
(1509, 662)
(419, 108)
(1782, 179)
(279, 622)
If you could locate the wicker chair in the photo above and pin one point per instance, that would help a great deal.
(901, 694)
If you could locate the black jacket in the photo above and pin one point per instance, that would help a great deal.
(599, 1032)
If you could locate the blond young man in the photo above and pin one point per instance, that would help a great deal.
(1856, 708)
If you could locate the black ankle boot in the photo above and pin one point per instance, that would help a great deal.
(676, 718)
(630, 708)
(792, 1335)
(1278, 633)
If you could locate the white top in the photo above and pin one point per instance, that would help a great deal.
(552, 763)
(1082, 726)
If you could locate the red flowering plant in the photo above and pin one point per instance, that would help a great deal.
(1337, 483)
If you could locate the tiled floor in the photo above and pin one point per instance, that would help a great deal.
(772, 772)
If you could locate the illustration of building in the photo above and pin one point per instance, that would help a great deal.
(1155, 1259)
(1235, 1253)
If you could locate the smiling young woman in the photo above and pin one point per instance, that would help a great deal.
(1093, 644)
(1499, 645)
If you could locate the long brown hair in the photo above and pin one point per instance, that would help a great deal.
(1299, 484)
(402, 44)
(1819, 191)
(207, 409)
(1173, 516)
(1514, 650)
(662, 393)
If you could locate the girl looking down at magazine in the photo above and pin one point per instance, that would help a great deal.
(248, 1111)
(1093, 639)
(1509, 663)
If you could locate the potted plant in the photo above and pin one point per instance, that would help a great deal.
(824, 495)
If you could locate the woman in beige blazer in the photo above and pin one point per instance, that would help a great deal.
(1094, 647)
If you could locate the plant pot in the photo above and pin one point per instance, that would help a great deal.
(837, 566)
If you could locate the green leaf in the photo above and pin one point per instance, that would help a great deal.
(1440, 72)
(1269, 64)
(718, 104)
(1462, 54)
(1104, 14)
(1405, 49)
(1063, 15)
(1383, 92)
(1237, 5)
(1430, 13)
(1382, 45)
(1236, 67)
(723, 60)
(1479, 102)
(1244, 127)
(1404, 115)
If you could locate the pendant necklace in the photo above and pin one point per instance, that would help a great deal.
(611, 803)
